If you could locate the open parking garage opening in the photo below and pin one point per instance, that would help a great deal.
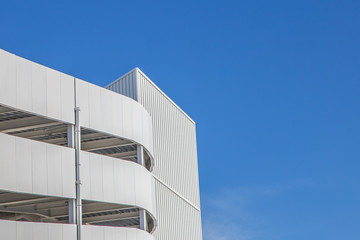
(37, 208)
(30, 126)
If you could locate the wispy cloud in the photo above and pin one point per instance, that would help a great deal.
(217, 230)
(225, 215)
(230, 214)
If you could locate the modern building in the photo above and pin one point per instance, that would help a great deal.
(82, 162)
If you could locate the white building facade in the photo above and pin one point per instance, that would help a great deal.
(80, 162)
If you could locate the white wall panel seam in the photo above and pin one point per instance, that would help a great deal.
(187, 223)
(178, 194)
(168, 172)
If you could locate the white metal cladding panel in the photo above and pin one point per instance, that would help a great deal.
(177, 220)
(174, 142)
(35, 167)
(11, 230)
(109, 112)
(126, 85)
(118, 181)
(113, 233)
(35, 88)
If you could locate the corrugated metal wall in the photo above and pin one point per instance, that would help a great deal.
(177, 220)
(174, 142)
(175, 153)
(126, 85)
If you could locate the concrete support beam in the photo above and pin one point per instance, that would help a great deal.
(111, 217)
(71, 136)
(104, 143)
(140, 155)
(6, 110)
(25, 123)
(72, 211)
(143, 222)
(124, 154)
(42, 132)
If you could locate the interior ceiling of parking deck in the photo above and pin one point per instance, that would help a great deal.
(26, 125)
(35, 208)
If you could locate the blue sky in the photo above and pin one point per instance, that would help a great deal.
(273, 86)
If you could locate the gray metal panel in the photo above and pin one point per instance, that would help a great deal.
(176, 219)
(174, 136)
(36, 231)
(176, 169)
(117, 181)
(174, 141)
(35, 88)
(35, 167)
(126, 85)
(108, 112)
(90, 232)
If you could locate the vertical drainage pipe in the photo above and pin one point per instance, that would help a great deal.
(142, 212)
(77, 167)
(71, 202)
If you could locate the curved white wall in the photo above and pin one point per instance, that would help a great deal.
(11, 230)
(113, 113)
(113, 180)
(34, 88)
(36, 168)
(33, 167)
(113, 233)
(40, 90)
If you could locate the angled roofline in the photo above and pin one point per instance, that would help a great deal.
(156, 87)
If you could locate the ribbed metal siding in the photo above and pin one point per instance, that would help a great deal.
(177, 220)
(174, 142)
(126, 85)
(177, 194)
